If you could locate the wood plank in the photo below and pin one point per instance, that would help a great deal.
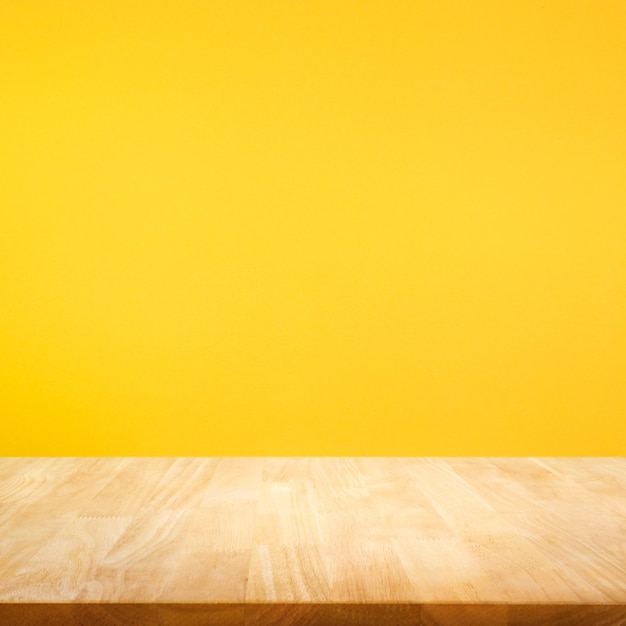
(310, 614)
(313, 540)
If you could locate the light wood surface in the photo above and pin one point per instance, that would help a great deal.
(431, 541)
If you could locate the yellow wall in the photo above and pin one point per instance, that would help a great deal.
(313, 227)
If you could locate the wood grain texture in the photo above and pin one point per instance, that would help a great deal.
(431, 541)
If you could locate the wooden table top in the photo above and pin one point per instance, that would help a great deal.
(313, 540)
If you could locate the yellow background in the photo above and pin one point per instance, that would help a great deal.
(313, 227)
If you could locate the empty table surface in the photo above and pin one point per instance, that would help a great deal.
(313, 540)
